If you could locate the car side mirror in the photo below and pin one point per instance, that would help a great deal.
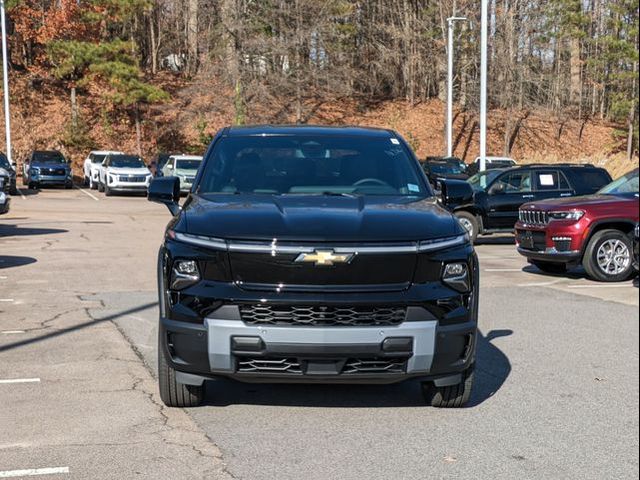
(165, 190)
(456, 193)
(498, 189)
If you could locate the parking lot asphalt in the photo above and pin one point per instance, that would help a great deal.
(556, 393)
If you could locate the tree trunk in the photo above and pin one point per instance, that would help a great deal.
(192, 36)
(152, 39)
(74, 108)
(138, 130)
(575, 67)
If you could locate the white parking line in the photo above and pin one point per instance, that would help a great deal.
(87, 193)
(541, 284)
(7, 300)
(19, 380)
(12, 332)
(2, 277)
(22, 194)
(502, 269)
(32, 472)
(616, 285)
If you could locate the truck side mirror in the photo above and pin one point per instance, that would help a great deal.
(498, 189)
(165, 190)
(456, 193)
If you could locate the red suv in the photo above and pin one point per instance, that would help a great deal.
(595, 230)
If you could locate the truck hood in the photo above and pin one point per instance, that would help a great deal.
(316, 218)
(585, 202)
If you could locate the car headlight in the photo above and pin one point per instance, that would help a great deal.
(567, 215)
(34, 171)
(184, 274)
(456, 275)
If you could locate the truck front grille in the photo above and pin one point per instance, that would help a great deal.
(321, 315)
(534, 217)
(294, 366)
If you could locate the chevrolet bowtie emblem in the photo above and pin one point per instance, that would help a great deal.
(325, 258)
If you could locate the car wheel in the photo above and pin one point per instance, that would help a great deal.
(550, 267)
(68, 186)
(173, 393)
(608, 256)
(85, 183)
(92, 184)
(107, 191)
(100, 186)
(470, 223)
(454, 396)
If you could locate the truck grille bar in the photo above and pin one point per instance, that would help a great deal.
(533, 217)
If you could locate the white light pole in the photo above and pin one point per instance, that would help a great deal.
(450, 24)
(484, 27)
(5, 82)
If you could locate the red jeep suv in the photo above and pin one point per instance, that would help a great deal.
(595, 230)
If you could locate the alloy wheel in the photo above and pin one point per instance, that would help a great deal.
(613, 257)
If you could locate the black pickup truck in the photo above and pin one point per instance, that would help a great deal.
(313, 254)
(493, 202)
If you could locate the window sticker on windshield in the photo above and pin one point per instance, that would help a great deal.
(395, 141)
(547, 180)
(413, 188)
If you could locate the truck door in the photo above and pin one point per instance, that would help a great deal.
(506, 195)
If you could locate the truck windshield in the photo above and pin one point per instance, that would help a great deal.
(188, 164)
(126, 161)
(312, 165)
(624, 185)
(445, 168)
(48, 157)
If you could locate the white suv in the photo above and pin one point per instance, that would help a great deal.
(123, 173)
(92, 166)
(185, 167)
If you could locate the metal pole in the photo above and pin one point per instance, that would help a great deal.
(450, 25)
(5, 82)
(484, 27)
(450, 89)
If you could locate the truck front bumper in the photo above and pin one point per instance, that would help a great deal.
(389, 354)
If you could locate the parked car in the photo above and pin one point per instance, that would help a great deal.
(491, 163)
(498, 194)
(636, 247)
(46, 168)
(596, 231)
(11, 171)
(313, 254)
(92, 164)
(185, 167)
(5, 200)
(445, 169)
(123, 173)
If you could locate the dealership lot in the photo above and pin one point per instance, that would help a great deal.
(556, 395)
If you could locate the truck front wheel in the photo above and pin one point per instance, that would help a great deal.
(469, 222)
(454, 396)
(173, 393)
(608, 256)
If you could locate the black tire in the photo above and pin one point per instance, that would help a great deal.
(33, 186)
(550, 267)
(172, 393)
(470, 223)
(68, 186)
(93, 185)
(107, 190)
(455, 396)
(100, 186)
(590, 260)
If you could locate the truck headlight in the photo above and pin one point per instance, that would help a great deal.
(184, 274)
(456, 275)
(568, 215)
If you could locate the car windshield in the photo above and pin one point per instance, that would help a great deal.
(188, 164)
(126, 161)
(481, 179)
(304, 164)
(624, 185)
(48, 157)
(98, 158)
(4, 162)
(446, 168)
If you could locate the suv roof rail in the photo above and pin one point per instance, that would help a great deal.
(559, 165)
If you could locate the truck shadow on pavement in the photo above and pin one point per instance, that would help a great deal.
(18, 231)
(492, 370)
(7, 261)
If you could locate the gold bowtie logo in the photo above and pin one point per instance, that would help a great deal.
(324, 258)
